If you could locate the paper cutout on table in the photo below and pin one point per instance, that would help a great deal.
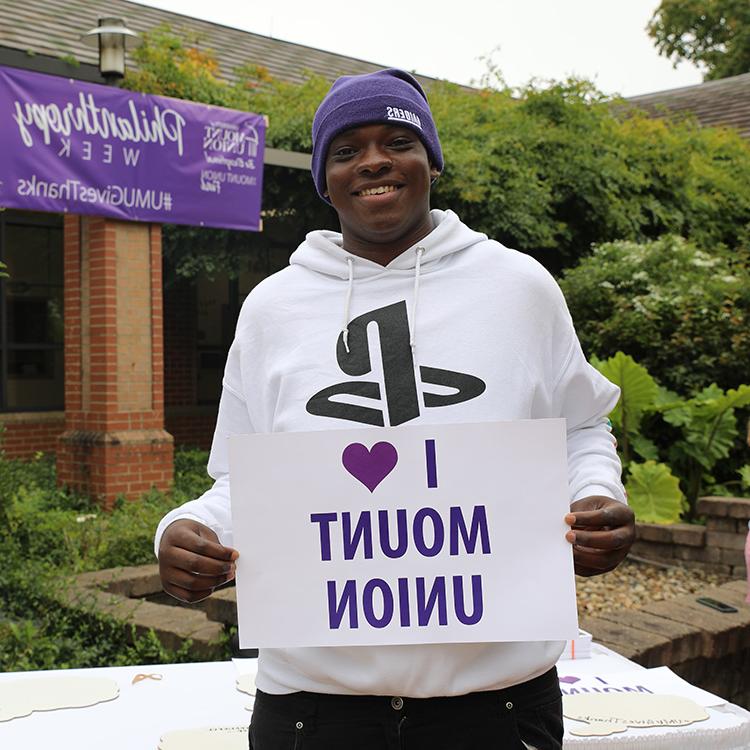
(140, 677)
(20, 698)
(209, 738)
(246, 684)
(658, 681)
(611, 713)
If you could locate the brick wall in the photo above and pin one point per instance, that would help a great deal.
(27, 433)
(114, 441)
(717, 547)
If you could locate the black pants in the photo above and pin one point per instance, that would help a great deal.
(525, 715)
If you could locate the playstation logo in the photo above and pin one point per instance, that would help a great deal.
(399, 381)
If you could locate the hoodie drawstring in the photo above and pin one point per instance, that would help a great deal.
(413, 334)
(347, 305)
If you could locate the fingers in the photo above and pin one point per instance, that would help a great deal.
(192, 562)
(602, 531)
(195, 537)
(609, 516)
(620, 537)
(195, 563)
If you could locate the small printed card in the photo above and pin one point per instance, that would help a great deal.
(427, 534)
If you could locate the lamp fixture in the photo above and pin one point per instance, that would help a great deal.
(112, 36)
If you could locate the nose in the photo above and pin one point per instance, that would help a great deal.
(375, 159)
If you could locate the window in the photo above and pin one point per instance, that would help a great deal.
(31, 312)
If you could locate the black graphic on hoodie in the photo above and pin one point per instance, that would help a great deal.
(400, 385)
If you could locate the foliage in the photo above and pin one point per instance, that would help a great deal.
(709, 431)
(638, 391)
(744, 473)
(680, 311)
(654, 493)
(713, 34)
(37, 633)
(48, 534)
(548, 169)
(168, 66)
(691, 436)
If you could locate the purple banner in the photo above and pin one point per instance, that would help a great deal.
(74, 147)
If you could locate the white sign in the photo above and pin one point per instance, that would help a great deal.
(428, 534)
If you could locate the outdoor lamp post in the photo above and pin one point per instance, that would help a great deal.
(112, 36)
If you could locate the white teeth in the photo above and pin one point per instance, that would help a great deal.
(379, 190)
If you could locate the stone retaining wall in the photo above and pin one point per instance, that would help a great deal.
(717, 547)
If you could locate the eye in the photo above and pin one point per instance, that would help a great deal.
(341, 152)
(401, 141)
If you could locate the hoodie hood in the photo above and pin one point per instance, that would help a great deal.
(323, 251)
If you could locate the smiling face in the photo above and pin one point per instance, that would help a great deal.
(378, 180)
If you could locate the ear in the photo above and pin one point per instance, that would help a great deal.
(434, 174)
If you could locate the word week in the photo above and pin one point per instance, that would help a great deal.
(393, 534)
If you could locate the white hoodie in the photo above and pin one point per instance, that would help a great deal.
(466, 331)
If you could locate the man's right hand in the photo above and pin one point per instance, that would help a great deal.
(192, 563)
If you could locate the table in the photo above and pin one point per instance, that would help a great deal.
(204, 695)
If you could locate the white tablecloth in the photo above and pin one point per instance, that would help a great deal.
(204, 695)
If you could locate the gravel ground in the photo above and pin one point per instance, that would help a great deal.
(634, 584)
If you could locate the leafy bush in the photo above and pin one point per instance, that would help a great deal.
(548, 169)
(48, 534)
(37, 633)
(701, 432)
(681, 312)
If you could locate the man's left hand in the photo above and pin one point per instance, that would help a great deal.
(602, 531)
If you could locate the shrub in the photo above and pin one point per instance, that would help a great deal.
(46, 536)
(681, 312)
(548, 169)
(696, 438)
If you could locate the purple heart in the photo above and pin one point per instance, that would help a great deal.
(569, 680)
(372, 466)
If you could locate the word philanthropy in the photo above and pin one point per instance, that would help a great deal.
(157, 126)
(111, 195)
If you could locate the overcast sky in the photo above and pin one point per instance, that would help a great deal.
(604, 40)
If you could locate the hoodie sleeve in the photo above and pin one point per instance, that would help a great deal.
(585, 398)
(213, 508)
(571, 388)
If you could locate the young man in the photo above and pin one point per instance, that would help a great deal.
(467, 331)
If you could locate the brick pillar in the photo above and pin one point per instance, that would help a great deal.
(114, 441)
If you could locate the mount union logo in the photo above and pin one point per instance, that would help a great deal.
(400, 386)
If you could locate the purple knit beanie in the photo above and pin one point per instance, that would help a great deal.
(388, 96)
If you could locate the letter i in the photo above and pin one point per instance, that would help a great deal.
(429, 449)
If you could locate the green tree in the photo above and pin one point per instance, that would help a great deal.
(712, 34)
(548, 170)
